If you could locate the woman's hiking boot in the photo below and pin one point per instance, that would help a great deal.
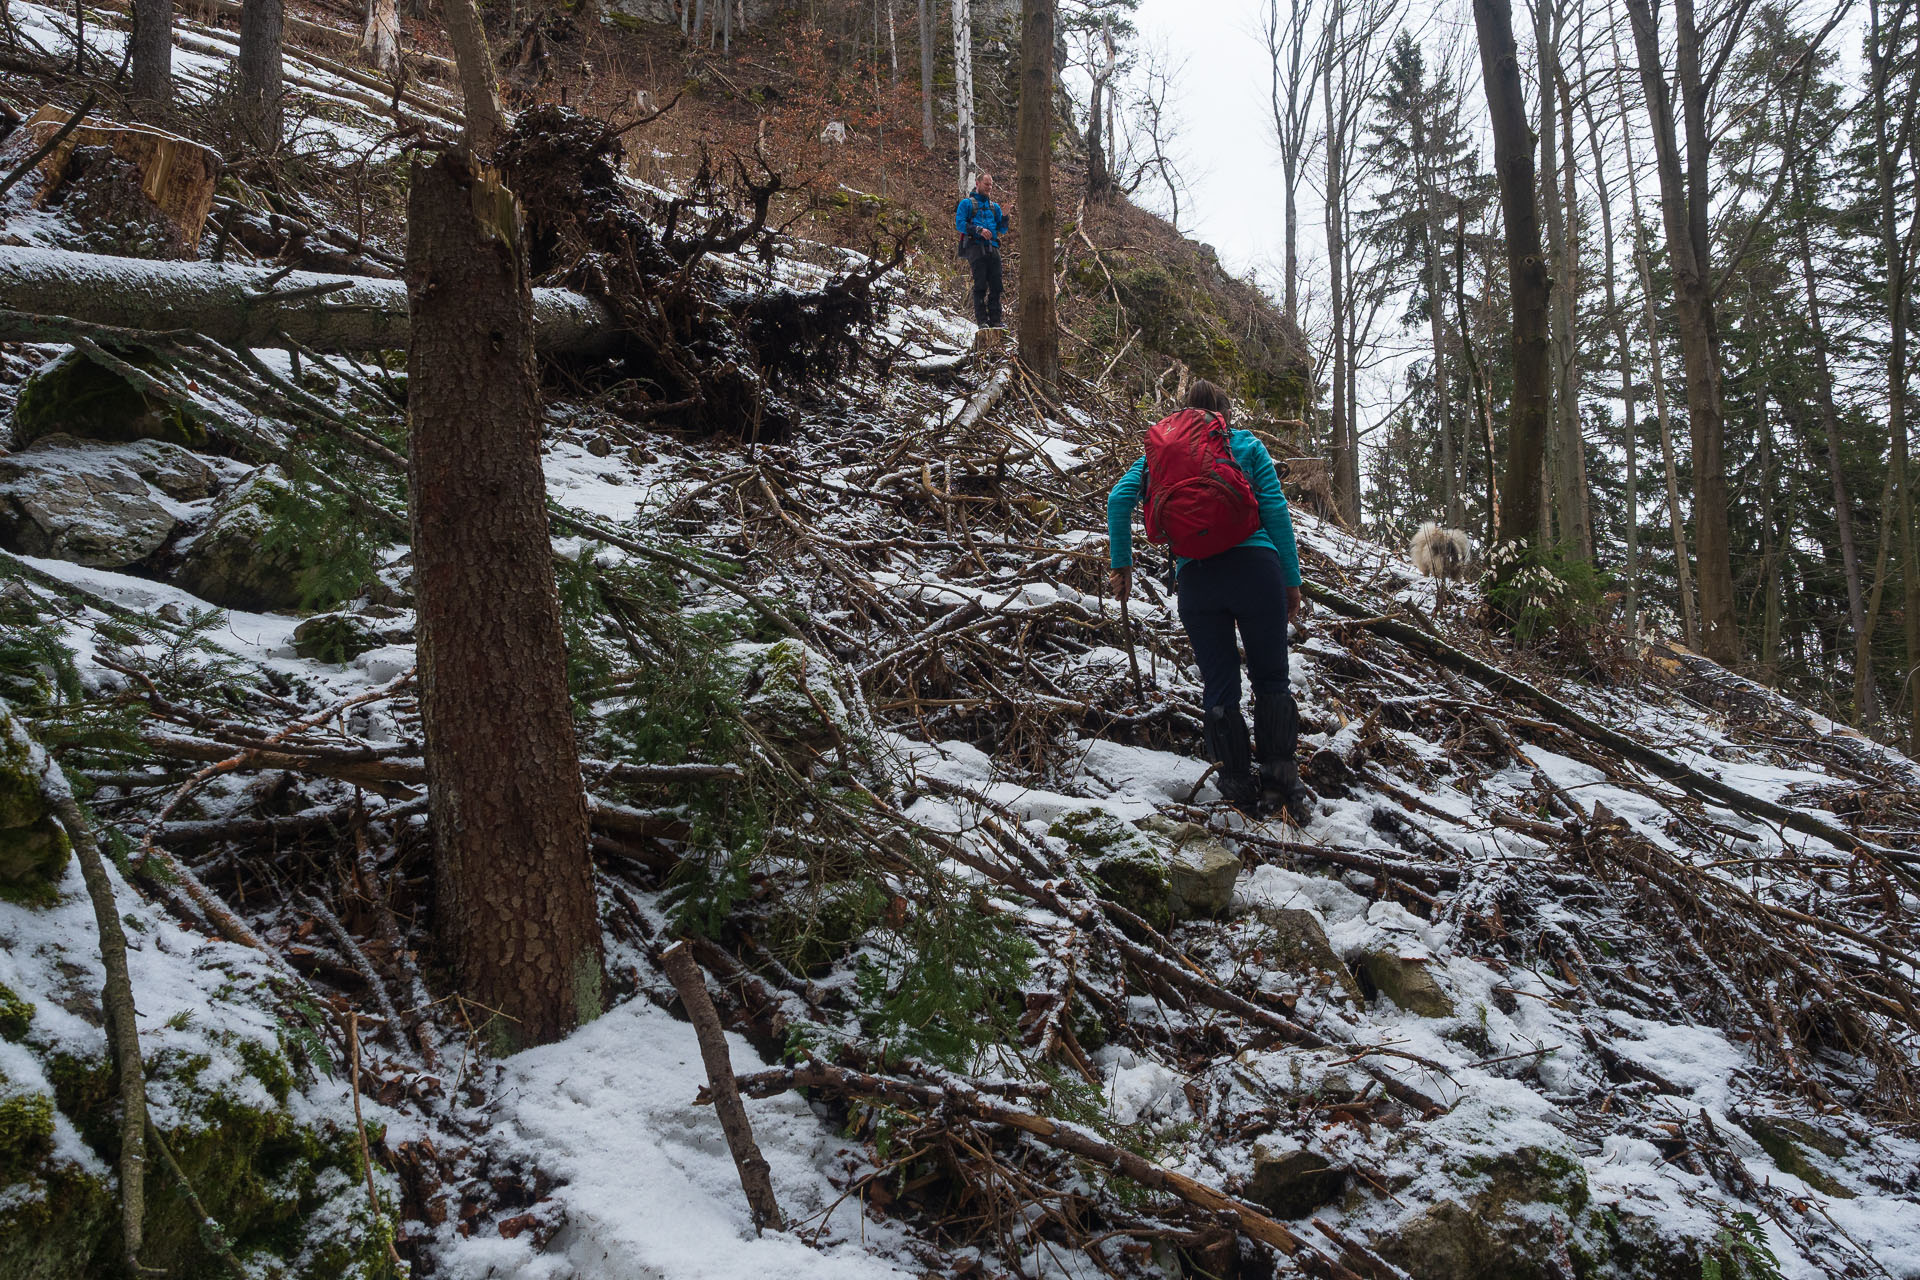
(1226, 735)
(1281, 791)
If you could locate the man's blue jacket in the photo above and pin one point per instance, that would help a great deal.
(985, 215)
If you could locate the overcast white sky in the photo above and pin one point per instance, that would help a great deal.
(1228, 154)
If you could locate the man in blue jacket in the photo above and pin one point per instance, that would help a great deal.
(1257, 586)
(980, 223)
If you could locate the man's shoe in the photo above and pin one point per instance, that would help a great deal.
(1281, 791)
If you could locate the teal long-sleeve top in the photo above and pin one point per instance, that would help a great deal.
(1276, 525)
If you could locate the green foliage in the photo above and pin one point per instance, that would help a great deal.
(1741, 1253)
(1545, 594)
(943, 984)
(336, 550)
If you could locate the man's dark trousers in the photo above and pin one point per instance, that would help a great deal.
(986, 287)
(1244, 586)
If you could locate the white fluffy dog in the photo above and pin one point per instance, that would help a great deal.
(1441, 553)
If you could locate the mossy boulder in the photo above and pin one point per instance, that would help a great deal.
(33, 848)
(16, 1014)
(1128, 866)
(1787, 1140)
(788, 692)
(235, 562)
(81, 397)
(1501, 1229)
(288, 1190)
(1201, 870)
(1290, 1181)
(335, 637)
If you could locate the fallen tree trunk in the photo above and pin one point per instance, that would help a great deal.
(253, 306)
(1700, 785)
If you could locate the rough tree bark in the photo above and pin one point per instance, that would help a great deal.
(151, 86)
(1342, 446)
(1682, 558)
(963, 90)
(1526, 269)
(479, 88)
(247, 306)
(1684, 199)
(259, 68)
(380, 40)
(927, 20)
(513, 875)
(1039, 328)
(1883, 48)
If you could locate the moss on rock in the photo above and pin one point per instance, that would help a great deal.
(288, 1192)
(33, 848)
(1132, 869)
(234, 564)
(16, 1015)
(82, 398)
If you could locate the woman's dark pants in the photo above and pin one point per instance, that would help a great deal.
(1243, 587)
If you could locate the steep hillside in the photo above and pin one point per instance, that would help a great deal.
(1593, 961)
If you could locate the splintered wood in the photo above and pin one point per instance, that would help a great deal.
(176, 174)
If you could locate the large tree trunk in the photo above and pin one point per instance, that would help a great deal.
(479, 88)
(927, 19)
(1039, 330)
(238, 306)
(1527, 271)
(1866, 697)
(380, 41)
(1682, 558)
(260, 83)
(1623, 338)
(1883, 49)
(1567, 463)
(1683, 201)
(963, 90)
(1342, 445)
(513, 875)
(151, 87)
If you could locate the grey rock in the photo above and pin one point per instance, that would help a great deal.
(1290, 1181)
(80, 505)
(1300, 946)
(1406, 982)
(1200, 878)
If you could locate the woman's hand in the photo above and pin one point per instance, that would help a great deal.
(1296, 605)
(1120, 582)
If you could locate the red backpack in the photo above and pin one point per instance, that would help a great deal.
(1198, 500)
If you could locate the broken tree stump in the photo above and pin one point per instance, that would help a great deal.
(755, 1179)
(176, 175)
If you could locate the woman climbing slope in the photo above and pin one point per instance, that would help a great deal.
(1212, 494)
